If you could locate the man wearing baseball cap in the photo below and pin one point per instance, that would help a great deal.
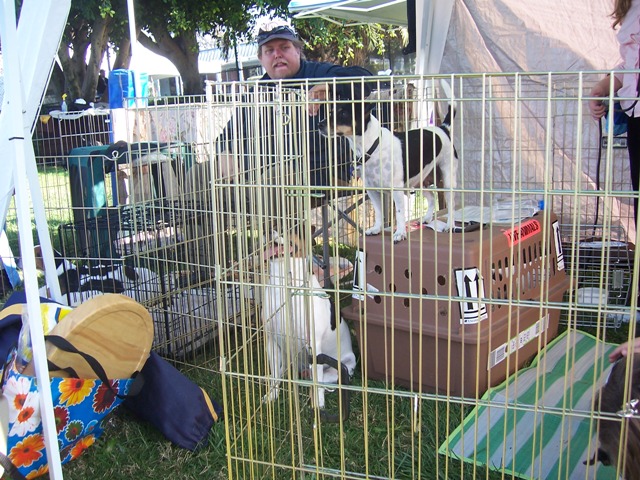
(280, 53)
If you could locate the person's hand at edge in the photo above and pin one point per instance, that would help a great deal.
(622, 350)
(598, 108)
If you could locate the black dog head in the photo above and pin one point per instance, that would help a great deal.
(348, 115)
(612, 399)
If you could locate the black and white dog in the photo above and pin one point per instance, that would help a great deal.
(395, 160)
(299, 318)
(621, 395)
(79, 283)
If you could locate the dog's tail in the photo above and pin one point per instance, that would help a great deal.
(451, 108)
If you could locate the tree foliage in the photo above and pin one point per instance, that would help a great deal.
(331, 42)
(171, 28)
(167, 27)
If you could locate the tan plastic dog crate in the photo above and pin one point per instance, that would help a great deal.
(456, 313)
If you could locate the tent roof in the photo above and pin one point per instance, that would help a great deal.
(157, 66)
(354, 12)
(246, 51)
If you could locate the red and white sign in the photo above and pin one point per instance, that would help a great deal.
(523, 231)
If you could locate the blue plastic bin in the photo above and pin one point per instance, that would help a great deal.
(122, 89)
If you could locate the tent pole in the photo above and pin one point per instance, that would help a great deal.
(38, 35)
(25, 83)
(134, 49)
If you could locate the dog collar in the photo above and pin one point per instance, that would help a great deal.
(372, 149)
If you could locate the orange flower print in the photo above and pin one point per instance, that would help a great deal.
(82, 445)
(43, 470)
(74, 390)
(27, 418)
(17, 391)
(27, 451)
(18, 401)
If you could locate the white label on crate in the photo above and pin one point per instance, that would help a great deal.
(558, 242)
(359, 285)
(517, 342)
(471, 287)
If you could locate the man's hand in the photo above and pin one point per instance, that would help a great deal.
(317, 94)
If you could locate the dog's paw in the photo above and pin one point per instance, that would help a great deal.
(438, 225)
(271, 396)
(399, 236)
(372, 231)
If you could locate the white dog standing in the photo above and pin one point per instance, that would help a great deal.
(395, 160)
(300, 322)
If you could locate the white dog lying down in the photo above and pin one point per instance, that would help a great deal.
(300, 322)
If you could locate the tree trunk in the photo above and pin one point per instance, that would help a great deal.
(74, 67)
(99, 41)
(71, 75)
(123, 55)
(182, 50)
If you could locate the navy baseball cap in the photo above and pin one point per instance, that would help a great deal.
(283, 32)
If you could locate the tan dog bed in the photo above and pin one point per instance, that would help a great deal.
(114, 329)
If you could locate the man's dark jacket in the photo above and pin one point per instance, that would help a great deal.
(323, 164)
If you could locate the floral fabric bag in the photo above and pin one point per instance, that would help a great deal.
(80, 410)
(82, 392)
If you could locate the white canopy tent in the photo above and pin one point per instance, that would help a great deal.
(154, 65)
(572, 35)
(352, 12)
(432, 21)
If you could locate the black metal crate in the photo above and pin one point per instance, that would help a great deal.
(602, 273)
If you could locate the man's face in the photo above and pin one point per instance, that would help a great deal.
(280, 58)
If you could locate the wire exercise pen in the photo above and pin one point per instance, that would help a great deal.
(57, 132)
(435, 321)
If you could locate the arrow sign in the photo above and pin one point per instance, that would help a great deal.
(471, 288)
(558, 242)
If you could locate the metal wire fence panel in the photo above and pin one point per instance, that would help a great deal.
(345, 355)
(57, 133)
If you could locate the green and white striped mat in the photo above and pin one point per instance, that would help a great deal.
(536, 424)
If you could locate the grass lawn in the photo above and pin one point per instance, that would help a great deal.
(379, 438)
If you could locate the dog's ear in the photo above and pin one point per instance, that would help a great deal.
(351, 92)
(297, 244)
(599, 456)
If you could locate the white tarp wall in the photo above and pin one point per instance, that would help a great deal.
(514, 36)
